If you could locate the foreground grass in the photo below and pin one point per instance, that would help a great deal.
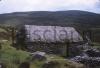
(12, 57)
(60, 64)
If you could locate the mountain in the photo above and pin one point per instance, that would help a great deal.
(62, 18)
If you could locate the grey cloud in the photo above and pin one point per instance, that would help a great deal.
(7, 6)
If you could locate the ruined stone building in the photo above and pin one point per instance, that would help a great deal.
(49, 39)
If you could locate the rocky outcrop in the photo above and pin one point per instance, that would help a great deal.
(90, 57)
(2, 65)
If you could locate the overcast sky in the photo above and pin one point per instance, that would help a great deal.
(7, 6)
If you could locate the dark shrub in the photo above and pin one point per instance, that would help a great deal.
(24, 65)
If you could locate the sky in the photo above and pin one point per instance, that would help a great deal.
(8, 6)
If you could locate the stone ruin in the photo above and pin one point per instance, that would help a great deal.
(49, 39)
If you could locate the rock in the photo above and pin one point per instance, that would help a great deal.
(38, 56)
(51, 64)
(93, 53)
(2, 65)
(89, 61)
(39, 53)
(89, 57)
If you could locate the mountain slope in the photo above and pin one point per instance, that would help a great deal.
(62, 18)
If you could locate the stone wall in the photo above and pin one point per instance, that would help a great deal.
(51, 48)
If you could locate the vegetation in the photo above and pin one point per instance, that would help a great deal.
(13, 58)
(8, 54)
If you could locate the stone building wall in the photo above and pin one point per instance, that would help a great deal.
(55, 41)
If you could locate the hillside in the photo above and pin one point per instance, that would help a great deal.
(62, 18)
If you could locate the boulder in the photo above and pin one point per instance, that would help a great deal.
(2, 65)
(93, 53)
(51, 64)
(38, 56)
